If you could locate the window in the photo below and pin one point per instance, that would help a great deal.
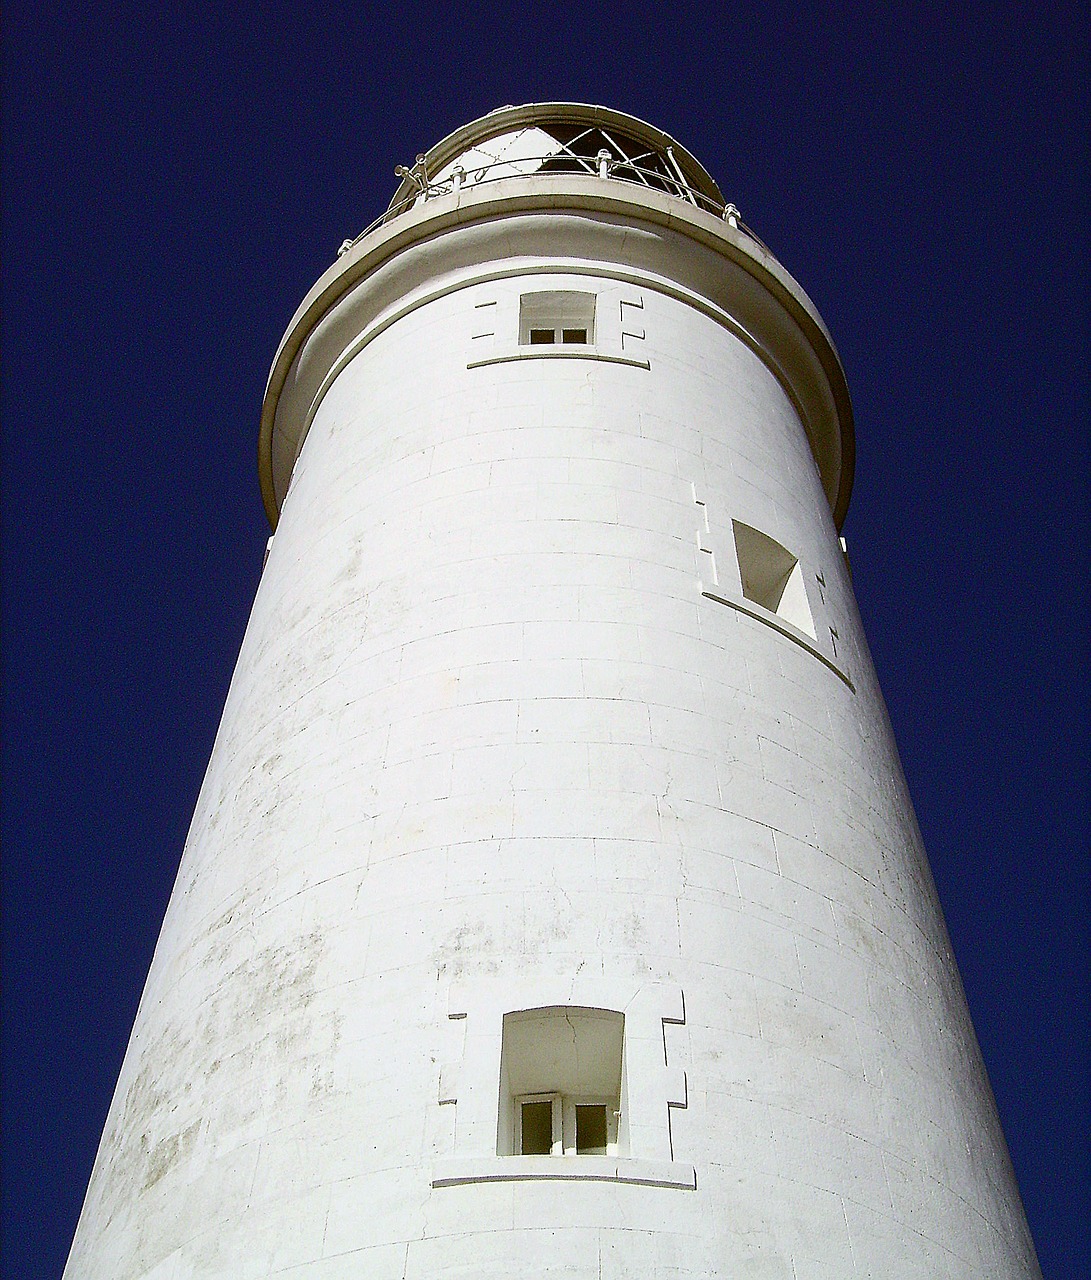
(556, 318)
(554, 1124)
(561, 1082)
(593, 1129)
(539, 1125)
(563, 1092)
(772, 577)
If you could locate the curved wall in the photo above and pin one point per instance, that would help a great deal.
(506, 734)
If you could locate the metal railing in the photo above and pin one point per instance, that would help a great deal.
(603, 166)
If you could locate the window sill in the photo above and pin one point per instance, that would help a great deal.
(560, 352)
(759, 614)
(647, 1173)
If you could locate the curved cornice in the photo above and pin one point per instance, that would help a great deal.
(469, 235)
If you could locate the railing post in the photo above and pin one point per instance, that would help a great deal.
(418, 175)
(731, 216)
(603, 158)
(457, 175)
(421, 166)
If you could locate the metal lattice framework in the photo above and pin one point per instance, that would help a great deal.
(557, 139)
(584, 150)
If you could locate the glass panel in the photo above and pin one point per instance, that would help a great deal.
(591, 1129)
(542, 337)
(574, 335)
(537, 1137)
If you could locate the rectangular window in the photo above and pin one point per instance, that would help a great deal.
(560, 1082)
(557, 317)
(537, 1125)
(591, 1128)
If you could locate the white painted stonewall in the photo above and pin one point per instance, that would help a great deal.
(554, 904)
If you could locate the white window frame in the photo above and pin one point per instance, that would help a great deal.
(563, 1140)
(556, 1116)
(569, 1106)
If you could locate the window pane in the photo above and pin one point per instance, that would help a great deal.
(590, 1129)
(537, 1128)
(556, 315)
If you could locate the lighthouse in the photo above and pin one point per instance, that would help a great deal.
(554, 903)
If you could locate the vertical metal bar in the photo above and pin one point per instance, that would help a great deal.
(685, 192)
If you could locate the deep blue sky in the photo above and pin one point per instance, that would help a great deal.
(173, 182)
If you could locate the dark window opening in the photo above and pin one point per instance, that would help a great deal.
(591, 1129)
(537, 1128)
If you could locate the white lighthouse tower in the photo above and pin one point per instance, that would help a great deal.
(554, 904)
